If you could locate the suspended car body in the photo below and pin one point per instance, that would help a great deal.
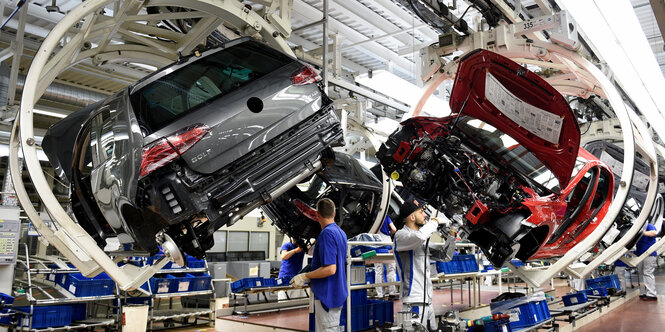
(355, 190)
(507, 163)
(193, 146)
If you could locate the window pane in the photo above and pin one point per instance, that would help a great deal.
(238, 241)
(260, 242)
(220, 242)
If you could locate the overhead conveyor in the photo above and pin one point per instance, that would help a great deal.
(107, 31)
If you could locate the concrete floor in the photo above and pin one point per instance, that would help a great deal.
(634, 315)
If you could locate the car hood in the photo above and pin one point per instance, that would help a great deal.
(497, 90)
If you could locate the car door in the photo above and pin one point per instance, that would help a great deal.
(115, 145)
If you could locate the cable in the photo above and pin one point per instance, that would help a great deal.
(422, 315)
(18, 7)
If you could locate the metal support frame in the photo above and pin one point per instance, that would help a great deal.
(133, 39)
(645, 146)
(17, 47)
(582, 79)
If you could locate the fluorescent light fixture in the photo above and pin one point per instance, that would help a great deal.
(399, 89)
(54, 114)
(613, 31)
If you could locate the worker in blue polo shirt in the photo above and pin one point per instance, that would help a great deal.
(292, 257)
(328, 276)
(646, 268)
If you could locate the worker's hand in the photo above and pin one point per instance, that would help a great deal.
(298, 250)
(442, 222)
(299, 280)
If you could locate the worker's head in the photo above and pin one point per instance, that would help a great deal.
(325, 210)
(413, 213)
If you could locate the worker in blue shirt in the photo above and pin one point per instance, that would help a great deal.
(292, 258)
(620, 271)
(387, 229)
(328, 276)
(646, 268)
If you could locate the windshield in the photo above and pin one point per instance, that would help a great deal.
(201, 81)
(505, 150)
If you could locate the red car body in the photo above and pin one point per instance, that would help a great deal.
(503, 163)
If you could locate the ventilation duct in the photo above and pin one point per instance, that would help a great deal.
(61, 93)
(4, 83)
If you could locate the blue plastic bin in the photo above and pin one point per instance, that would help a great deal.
(81, 286)
(459, 264)
(7, 300)
(182, 283)
(575, 298)
(194, 263)
(160, 285)
(79, 311)
(381, 311)
(525, 314)
(600, 291)
(466, 263)
(358, 297)
(201, 281)
(502, 325)
(46, 316)
(610, 281)
(360, 318)
(283, 281)
(245, 283)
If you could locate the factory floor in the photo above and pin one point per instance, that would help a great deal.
(633, 315)
(298, 319)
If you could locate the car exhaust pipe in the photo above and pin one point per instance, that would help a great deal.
(268, 197)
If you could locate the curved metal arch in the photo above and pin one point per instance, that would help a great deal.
(89, 24)
(238, 15)
(646, 148)
(388, 185)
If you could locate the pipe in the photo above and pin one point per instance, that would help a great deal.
(61, 93)
(324, 72)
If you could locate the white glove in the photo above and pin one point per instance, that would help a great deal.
(299, 280)
(443, 221)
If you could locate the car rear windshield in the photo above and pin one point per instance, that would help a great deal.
(201, 81)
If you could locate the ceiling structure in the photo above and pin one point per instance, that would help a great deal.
(374, 34)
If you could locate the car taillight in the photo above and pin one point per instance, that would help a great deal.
(306, 75)
(165, 150)
(306, 210)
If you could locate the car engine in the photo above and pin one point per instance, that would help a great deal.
(445, 170)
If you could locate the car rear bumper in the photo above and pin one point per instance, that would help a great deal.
(178, 194)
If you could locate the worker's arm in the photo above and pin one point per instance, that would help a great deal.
(322, 272)
(393, 229)
(445, 252)
(650, 233)
(286, 254)
(409, 240)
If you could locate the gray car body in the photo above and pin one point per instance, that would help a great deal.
(243, 156)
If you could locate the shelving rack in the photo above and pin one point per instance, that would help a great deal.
(169, 317)
(35, 266)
